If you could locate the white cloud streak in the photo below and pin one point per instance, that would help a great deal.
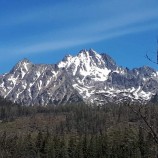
(61, 44)
(111, 22)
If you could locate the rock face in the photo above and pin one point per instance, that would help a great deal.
(89, 77)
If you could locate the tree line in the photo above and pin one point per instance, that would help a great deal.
(78, 130)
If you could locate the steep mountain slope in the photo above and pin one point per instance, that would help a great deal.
(89, 77)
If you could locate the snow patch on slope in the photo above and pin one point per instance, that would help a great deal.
(86, 65)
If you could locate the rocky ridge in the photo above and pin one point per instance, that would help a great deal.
(89, 77)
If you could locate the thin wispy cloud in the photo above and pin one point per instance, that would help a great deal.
(66, 43)
(49, 27)
(71, 11)
(93, 32)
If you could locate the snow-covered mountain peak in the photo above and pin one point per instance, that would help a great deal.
(21, 68)
(88, 54)
(25, 60)
(86, 63)
(99, 60)
(23, 63)
(67, 58)
(88, 76)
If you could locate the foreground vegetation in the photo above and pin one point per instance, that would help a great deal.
(80, 131)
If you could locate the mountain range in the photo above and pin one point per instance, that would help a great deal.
(88, 77)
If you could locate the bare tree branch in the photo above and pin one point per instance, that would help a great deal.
(155, 62)
(151, 59)
(151, 130)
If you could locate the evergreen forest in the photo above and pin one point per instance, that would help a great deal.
(78, 131)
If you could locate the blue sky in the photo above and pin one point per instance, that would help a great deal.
(44, 31)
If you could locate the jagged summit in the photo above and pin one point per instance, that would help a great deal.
(110, 63)
(24, 61)
(89, 52)
(22, 66)
(66, 58)
(89, 76)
